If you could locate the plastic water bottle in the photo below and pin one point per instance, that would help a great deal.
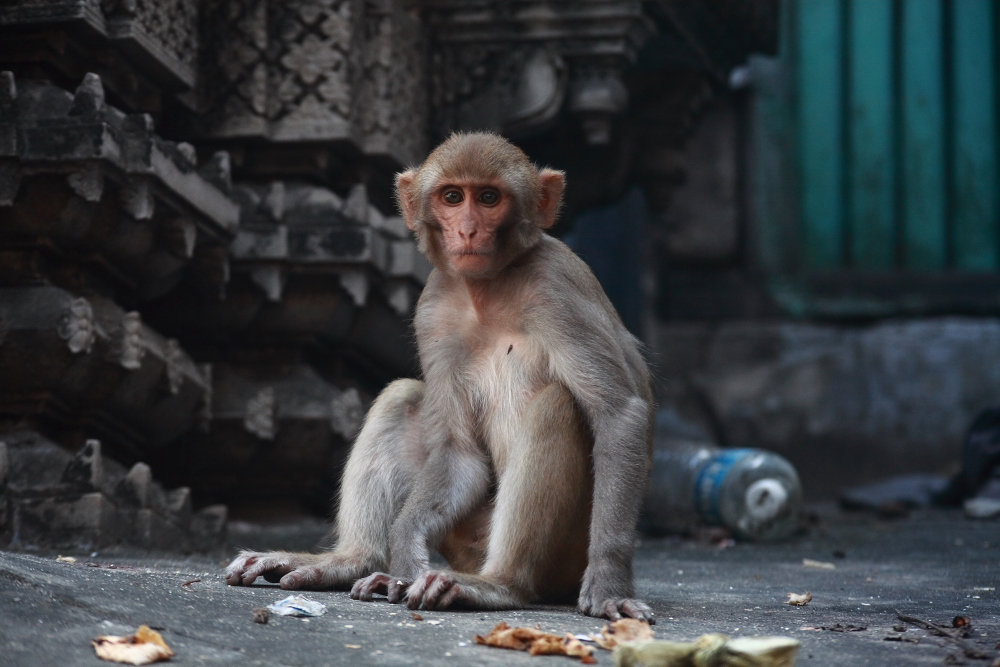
(754, 493)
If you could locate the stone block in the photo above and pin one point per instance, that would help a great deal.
(86, 521)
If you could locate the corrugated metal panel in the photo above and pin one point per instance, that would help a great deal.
(896, 111)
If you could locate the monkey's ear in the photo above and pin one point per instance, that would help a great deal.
(551, 184)
(406, 197)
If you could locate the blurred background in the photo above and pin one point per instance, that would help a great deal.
(204, 281)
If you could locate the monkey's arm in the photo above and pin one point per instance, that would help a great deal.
(600, 363)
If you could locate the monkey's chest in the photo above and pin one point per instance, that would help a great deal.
(503, 377)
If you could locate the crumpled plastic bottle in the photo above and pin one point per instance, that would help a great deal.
(753, 492)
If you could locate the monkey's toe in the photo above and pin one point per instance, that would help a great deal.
(367, 588)
(433, 591)
(637, 609)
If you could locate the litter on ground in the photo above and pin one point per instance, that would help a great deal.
(142, 648)
(297, 605)
(799, 599)
(716, 649)
(537, 642)
(621, 631)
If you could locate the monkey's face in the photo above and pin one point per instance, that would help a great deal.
(470, 214)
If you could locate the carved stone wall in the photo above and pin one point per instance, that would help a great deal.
(315, 70)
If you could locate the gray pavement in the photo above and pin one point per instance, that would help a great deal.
(933, 565)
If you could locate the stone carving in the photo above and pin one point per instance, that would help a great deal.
(205, 410)
(173, 358)
(137, 199)
(77, 326)
(346, 414)
(392, 101)
(10, 181)
(356, 284)
(103, 154)
(86, 469)
(259, 416)
(506, 69)
(280, 69)
(316, 70)
(132, 348)
(171, 23)
(88, 182)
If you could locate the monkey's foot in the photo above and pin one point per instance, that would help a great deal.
(616, 609)
(379, 583)
(434, 591)
(293, 571)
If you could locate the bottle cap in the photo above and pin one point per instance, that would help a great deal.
(765, 499)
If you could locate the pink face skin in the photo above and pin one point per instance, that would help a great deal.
(470, 215)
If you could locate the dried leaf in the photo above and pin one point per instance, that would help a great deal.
(416, 616)
(537, 642)
(623, 630)
(549, 644)
(142, 648)
(799, 599)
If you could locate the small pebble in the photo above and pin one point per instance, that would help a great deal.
(261, 615)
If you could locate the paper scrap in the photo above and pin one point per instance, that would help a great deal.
(799, 599)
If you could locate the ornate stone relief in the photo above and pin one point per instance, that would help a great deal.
(315, 70)
(346, 414)
(77, 326)
(259, 416)
(511, 68)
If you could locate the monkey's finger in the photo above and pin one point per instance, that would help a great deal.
(303, 577)
(638, 609)
(450, 597)
(611, 610)
(234, 573)
(437, 586)
(263, 565)
(399, 589)
(365, 589)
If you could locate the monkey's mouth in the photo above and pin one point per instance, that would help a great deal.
(471, 253)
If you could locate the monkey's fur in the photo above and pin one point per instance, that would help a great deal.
(523, 454)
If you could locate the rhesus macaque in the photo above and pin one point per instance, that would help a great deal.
(523, 455)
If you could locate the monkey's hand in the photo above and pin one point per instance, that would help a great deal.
(294, 571)
(380, 583)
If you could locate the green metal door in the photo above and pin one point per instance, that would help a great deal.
(893, 108)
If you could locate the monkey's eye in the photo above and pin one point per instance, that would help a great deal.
(453, 197)
(489, 197)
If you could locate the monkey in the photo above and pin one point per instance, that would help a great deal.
(523, 454)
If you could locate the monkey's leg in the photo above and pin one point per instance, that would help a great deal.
(538, 540)
(385, 458)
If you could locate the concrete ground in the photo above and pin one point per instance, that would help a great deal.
(934, 565)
